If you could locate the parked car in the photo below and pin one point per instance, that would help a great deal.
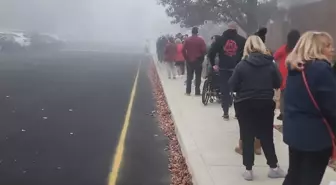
(13, 41)
(22, 39)
(46, 41)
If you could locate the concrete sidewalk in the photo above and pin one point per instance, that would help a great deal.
(208, 142)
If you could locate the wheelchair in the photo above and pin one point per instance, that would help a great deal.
(211, 87)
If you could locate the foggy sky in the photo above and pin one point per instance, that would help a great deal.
(101, 20)
(291, 3)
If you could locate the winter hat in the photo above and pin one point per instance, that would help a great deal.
(262, 33)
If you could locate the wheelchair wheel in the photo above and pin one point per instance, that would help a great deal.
(206, 92)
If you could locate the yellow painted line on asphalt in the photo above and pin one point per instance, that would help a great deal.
(118, 156)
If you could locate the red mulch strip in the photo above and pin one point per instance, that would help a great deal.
(177, 165)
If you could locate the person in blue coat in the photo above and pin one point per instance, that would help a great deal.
(304, 131)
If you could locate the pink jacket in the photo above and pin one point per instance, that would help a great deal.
(179, 53)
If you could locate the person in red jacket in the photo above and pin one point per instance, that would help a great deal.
(194, 50)
(179, 58)
(280, 56)
(170, 52)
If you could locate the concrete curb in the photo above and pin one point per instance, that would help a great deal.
(196, 166)
(191, 143)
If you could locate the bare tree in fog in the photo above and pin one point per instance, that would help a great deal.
(249, 14)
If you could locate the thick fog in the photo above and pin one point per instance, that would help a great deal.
(290, 3)
(98, 20)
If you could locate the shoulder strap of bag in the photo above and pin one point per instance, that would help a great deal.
(323, 118)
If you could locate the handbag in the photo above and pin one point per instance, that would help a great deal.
(325, 121)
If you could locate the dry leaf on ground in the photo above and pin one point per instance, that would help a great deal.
(177, 165)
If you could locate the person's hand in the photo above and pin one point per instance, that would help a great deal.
(216, 68)
(298, 65)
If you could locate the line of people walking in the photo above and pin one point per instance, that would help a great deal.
(301, 69)
(186, 54)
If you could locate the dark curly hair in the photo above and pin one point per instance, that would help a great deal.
(292, 38)
(262, 33)
(216, 37)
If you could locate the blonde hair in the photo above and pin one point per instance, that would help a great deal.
(309, 47)
(254, 44)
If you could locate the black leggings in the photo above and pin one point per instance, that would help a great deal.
(181, 66)
(306, 168)
(225, 91)
(255, 118)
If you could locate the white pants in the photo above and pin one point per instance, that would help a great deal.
(171, 70)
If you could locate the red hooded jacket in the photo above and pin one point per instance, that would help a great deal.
(280, 56)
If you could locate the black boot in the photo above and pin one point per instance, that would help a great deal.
(280, 117)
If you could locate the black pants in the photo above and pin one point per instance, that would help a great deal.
(160, 56)
(307, 168)
(240, 130)
(194, 67)
(255, 118)
(225, 90)
(181, 66)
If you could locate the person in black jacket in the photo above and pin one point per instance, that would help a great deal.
(229, 48)
(304, 131)
(257, 146)
(213, 41)
(254, 80)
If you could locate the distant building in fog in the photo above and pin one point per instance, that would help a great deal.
(292, 3)
(303, 15)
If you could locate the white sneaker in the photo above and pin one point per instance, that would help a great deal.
(248, 175)
(276, 173)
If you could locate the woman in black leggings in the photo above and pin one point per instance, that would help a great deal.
(254, 80)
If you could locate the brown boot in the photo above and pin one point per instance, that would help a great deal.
(239, 148)
(257, 146)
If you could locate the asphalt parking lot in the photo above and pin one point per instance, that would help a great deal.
(62, 115)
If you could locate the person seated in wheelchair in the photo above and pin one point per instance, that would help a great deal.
(214, 80)
(213, 75)
(211, 87)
